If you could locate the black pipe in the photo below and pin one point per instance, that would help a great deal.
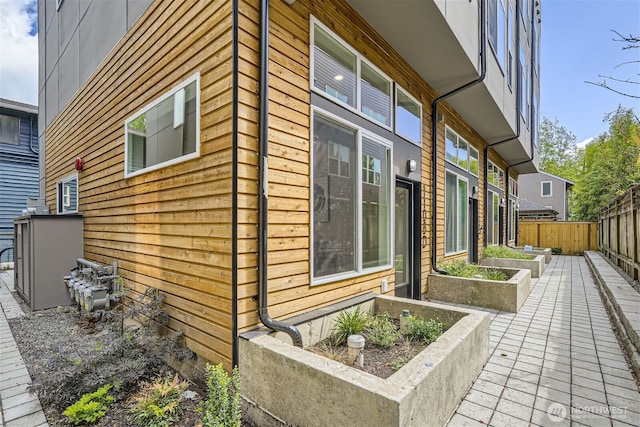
(234, 187)
(434, 131)
(263, 203)
(511, 138)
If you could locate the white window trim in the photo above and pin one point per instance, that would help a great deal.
(360, 271)
(469, 148)
(550, 189)
(395, 106)
(359, 60)
(459, 178)
(513, 214)
(491, 166)
(194, 78)
(61, 198)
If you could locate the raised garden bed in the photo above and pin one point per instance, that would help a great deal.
(536, 265)
(283, 384)
(505, 295)
(537, 251)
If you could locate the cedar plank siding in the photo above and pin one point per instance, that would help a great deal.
(169, 228)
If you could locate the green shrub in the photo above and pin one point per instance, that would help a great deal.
(222, 405)
(504, 252)
(461, 268)
(556, 251)
(349, 323)
(419, 329)
(159, 404)
(381, 330)
(91, 406)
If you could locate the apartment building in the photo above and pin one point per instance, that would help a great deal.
(256, 160)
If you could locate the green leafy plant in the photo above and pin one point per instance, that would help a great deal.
(222, 405)
(504, 252)
(348, 323)
(91, 406)
(381, 330)
(419, 329)
(556, 251)
(406, 355)
(159, 403)
(461, 268)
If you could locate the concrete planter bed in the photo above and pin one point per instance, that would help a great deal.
(536, 265)
(506, 295)
(537, 251)
(286, 385)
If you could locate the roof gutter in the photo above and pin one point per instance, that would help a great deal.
(263, 176)
(434, 130)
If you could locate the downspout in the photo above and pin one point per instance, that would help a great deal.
(511, 138)
(234, 187)
(263, 174)
(434, 131)
(31, 136)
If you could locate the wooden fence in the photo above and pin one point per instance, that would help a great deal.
(572, 237)
(619, 225)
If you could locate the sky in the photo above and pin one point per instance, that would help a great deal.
(577, 46)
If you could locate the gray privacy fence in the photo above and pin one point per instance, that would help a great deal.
(618, 229)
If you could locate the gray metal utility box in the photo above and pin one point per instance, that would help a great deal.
(46, 248)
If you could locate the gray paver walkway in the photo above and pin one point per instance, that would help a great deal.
(19, 407)
(556, 362)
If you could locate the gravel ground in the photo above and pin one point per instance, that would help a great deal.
(53, 341)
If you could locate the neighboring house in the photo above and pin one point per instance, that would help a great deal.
(534, 211)
(376, 140)
(18, 164)
(547, 190)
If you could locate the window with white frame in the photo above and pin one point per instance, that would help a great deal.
(351, 212)
(511, 42)
(495, 175)
(497, 29)
(408, 116)
(67, 194)
(513, 187)
(513, 214)
(456, 214)
(493, 218)
(346, 77)
(165, 132)
(460, 153)
(546, 189)
(9, 130)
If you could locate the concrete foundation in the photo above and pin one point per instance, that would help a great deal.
(536, 265)
(286, 385)
(507, 296)
(537, 251)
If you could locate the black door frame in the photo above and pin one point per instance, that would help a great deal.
(414, 188)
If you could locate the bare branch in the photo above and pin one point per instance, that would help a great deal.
(626, 63)
(619, 80)
(631, 39)
(604, 85)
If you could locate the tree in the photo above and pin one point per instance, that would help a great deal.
(558, 151)
(610, 165)
(632, 42)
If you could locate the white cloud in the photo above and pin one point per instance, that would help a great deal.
(583, 144)
(19, 51)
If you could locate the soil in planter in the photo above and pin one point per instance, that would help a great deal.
(379, 361)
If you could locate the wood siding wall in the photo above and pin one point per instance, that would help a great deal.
(170, 228)
(619, 231)
(572, 237)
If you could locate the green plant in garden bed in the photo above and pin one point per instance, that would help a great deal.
(504, 252)
(349, 323)
(222, 405)
(91, 406)
(159, 404)
(461, 268)
(419, 329)
(381, 330)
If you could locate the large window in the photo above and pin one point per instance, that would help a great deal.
(493, 218)
(497, 29)
(165, 132)
(511, 42)
(346, 77)
(67, 195)
(460, 153)
(456, 221)
(495, 175)
(524, 86)
(513, 214)
(351, 211)
(9, 130)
